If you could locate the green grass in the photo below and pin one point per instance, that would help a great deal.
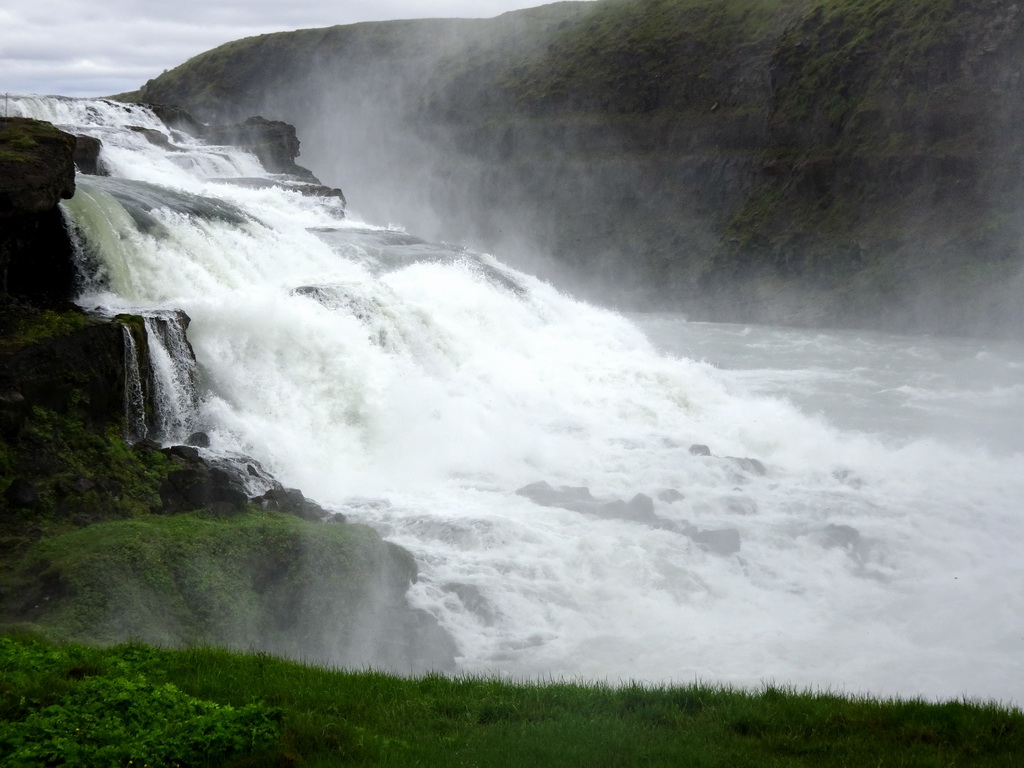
(323, 717)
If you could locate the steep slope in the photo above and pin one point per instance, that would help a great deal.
(846, 162)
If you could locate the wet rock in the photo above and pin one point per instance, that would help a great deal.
(722, 541)
(198, 439)
(156, 138)
(186, 452)
(21, 494)
(845, 537)
(640, 508)
(291, 501)
(699, 450)
(87, 155)
(200, 485)
(749, 465)
(272, 141)
(547, 496)
(741, 505)
(177, 119)
(472, 598)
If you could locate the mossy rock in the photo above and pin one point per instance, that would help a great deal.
(37, 168)
(333, 592)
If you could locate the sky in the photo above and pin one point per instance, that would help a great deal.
(104, 47)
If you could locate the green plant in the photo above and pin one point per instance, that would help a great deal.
(116, 720)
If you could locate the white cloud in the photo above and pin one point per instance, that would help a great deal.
(92, 49)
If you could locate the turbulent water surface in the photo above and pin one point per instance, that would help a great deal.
(416, 387)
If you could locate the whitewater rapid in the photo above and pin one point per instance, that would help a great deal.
(416, 386)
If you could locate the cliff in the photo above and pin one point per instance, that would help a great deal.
(842, 162)
(105, 538)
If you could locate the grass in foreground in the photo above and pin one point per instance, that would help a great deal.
(78, 706)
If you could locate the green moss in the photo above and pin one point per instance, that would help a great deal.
(48, 324)
(267, 579)
(21, 136)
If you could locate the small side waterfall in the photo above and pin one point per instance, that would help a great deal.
(134, 401)
(175, 398)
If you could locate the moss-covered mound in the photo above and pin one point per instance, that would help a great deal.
(266, 580)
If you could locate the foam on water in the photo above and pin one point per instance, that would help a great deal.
(416, 387)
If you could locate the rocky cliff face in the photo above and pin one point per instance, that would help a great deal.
(836, 161)
(104, 540)
(37, 171)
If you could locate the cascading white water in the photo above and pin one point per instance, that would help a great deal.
(174, 378)
(416, 387)
(134, 400)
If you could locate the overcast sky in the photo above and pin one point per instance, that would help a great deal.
(103, 47)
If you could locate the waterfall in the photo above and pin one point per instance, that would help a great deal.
(827, 534)
(175, 396)
(134, 400)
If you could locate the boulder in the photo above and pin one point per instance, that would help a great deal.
(198, 484)
(291, 501)
(199, 439)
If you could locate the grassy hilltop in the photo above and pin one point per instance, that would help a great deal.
(844, 162)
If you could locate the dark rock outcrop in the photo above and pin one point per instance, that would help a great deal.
(37, 167)
(292, 501)
(68, 363)
(194, 483)
(87, 155)
(37, 171)
(273, 141)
